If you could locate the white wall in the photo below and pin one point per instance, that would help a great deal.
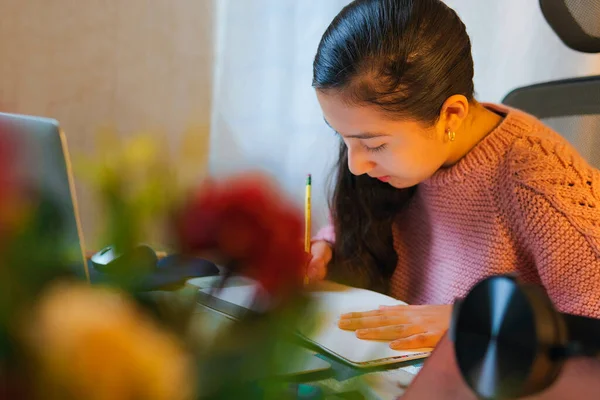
(514, 46)
(131, 65)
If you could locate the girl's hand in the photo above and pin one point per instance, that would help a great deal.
(321, 254)
(407, 327)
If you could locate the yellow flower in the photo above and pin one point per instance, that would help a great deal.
(92, 343)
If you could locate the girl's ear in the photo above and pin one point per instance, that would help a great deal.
(453, 113)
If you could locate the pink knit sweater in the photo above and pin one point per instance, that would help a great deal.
(521, 201)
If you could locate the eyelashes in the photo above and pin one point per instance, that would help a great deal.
(369, 149)
(375, 149)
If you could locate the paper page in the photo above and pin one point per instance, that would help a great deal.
(333, 300)
(242, 293)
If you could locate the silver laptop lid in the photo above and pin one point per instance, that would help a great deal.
(44, 166)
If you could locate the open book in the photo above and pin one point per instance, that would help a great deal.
(333, 300)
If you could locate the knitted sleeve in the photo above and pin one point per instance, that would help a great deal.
(326, 233)
(553, 203)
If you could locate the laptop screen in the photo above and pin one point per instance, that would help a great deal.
(43, 166)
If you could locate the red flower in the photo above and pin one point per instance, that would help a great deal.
(247, 222)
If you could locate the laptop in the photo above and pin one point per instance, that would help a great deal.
(43, 164)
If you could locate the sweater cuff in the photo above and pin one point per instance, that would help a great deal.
(326, 233)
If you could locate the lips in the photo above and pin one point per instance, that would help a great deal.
(384, 178)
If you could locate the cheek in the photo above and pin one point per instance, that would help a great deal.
(416, 160)
(408, 160)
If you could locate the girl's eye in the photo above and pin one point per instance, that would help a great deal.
(375, 149)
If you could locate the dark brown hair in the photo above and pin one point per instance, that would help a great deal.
(404, 57)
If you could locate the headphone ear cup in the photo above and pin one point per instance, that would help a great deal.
(552, 339)
(505, 335)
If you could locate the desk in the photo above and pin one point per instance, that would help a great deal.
(377, 383)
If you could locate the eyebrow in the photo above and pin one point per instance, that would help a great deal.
(364, 135)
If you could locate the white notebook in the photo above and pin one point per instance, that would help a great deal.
(333, 300)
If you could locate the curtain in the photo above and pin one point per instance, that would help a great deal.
(265, 115)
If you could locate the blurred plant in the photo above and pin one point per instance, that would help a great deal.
(135, 182)
(70, 340)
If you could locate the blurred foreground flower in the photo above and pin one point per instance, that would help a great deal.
(245, 220)
(71, 340)
(93, 343)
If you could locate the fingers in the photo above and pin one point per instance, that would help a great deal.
(321, 254)
(371, 322)
(399, 310)
(391, 332)
(316, 270)
(372, 313)
(421, 310)
(417, 341)
(354, 315)
(407, 327)
(321, 249)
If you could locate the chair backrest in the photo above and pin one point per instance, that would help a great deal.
(576, 22)
(571, 106)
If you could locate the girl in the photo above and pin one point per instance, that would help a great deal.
(435, 190)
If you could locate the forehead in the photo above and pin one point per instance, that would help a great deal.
(349, 119)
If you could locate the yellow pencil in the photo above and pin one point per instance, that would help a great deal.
(307, 219)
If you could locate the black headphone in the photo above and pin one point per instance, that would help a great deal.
(510, 341)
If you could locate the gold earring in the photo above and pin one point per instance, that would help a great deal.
(451, 135)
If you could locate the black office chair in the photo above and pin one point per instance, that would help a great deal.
(569, 106)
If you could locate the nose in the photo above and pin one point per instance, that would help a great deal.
(359, 162)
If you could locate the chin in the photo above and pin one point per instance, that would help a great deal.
(402, 183)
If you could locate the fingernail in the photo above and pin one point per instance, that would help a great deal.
(399, 345)
(344, 323)
(362, 332)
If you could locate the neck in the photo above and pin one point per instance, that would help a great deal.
(478, 124)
